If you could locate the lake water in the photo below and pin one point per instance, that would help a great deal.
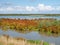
(30, 17)
(32, 35)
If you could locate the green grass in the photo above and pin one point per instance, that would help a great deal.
(11, 44)
(1, 43)
(31, 41)
(45, 43)
(37, 42)
(34, 41)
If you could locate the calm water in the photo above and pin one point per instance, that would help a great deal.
(30, 17)
(32, 35)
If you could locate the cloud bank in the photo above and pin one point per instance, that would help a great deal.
(39, 7)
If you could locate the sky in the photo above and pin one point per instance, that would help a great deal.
(29, 6)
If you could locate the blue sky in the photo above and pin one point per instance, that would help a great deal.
(30, 6)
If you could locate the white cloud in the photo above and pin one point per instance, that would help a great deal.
(30, 8)
(6, 9)
(39, 7)
(43, 7)
(10, 9)
(19, 8)
(58, 8)
(1, 9)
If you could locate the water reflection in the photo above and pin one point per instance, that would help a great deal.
(50, 35)
(27, 32)
(30, 17)
(41, 33)
(34, 35)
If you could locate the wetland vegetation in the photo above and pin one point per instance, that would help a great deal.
(48, 25)
(7, 40)
(27, 26)
(29, 14)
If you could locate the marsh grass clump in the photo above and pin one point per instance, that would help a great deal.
(38, 42)
(20, 41)
(49, 26)
(45, 43)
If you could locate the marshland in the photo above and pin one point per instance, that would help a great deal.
(32, 28)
